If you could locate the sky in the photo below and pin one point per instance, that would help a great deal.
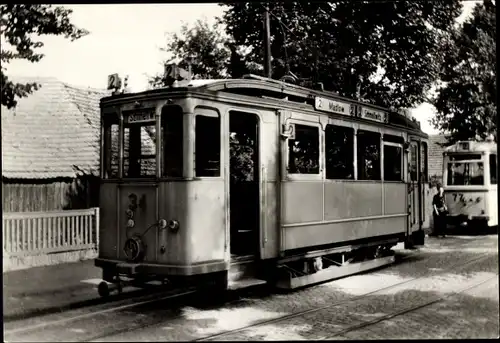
(125, 39)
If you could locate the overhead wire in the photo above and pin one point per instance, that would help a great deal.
(283, 25)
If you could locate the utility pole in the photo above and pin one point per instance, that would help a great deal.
(267, 43)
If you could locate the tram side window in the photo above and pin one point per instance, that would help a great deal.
(493, 169)
(139, 150)
(424, 171)
(393, 158)
(207, 158)
(368, 155)
(413, 162)
(172, 133)
(339, 151)
(303, 151)
(111, 150)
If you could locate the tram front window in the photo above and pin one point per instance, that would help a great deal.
(172, 135)
(465, 174)
(139, 150)
(207, 143)
(111, 149)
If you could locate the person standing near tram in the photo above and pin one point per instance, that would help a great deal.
(439, 211)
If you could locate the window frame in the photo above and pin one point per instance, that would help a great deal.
(107, 123)
(353, 151)
(162, 158)
(396, 145)
(424, 174)
(448, 172)
(495, 159)
(258, 171)
(380, 150)
(413, 144)
(150, 123)
(321, 156)
(210, 112)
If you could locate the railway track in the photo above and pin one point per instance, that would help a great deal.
(410, 309)
(357, 298)
(99, 315)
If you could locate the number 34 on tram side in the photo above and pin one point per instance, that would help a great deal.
(239, 182)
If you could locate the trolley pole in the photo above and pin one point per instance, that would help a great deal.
(267, 42)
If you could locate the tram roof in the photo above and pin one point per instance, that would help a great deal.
(254, 85)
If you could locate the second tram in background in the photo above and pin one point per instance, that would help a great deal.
(255, 180)
(470, 184)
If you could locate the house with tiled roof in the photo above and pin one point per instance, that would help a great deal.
(50, 148)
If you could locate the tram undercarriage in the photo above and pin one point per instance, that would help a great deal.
(287, 273)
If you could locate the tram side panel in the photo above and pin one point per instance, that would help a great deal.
(317, 213)
(197, 206)
(144, 217)
(172, 202)
(108, 228)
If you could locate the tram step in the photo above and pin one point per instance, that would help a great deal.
(244, 283)
(242, 270)
(333, 272)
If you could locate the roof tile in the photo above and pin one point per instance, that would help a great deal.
(51, 131)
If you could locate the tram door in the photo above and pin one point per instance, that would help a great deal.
(244, 185)
(414, 187)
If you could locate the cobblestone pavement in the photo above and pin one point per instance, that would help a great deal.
(470, 314)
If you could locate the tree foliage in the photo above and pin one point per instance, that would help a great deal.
(466, 101)
(201, 45)
(212, 54)
(344, 44)
(19, 25)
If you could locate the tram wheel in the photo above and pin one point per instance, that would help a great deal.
(103, 289)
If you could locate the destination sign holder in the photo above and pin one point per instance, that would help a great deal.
(353, 110)
(332, 106)
(374, 115)
(141, 116)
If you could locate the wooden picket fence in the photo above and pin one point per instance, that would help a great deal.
(35, 233)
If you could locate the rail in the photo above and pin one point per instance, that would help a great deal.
(33, 233)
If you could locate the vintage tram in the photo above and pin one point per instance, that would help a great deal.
(470, 184)
(254, 180)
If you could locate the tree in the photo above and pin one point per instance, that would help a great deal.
(466, 100)
(18, 26)
(212, 54)
(202, 45)
(386, 53)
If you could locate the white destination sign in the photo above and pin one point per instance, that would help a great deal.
(368, 113)
(141, 116)
(327, 105)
